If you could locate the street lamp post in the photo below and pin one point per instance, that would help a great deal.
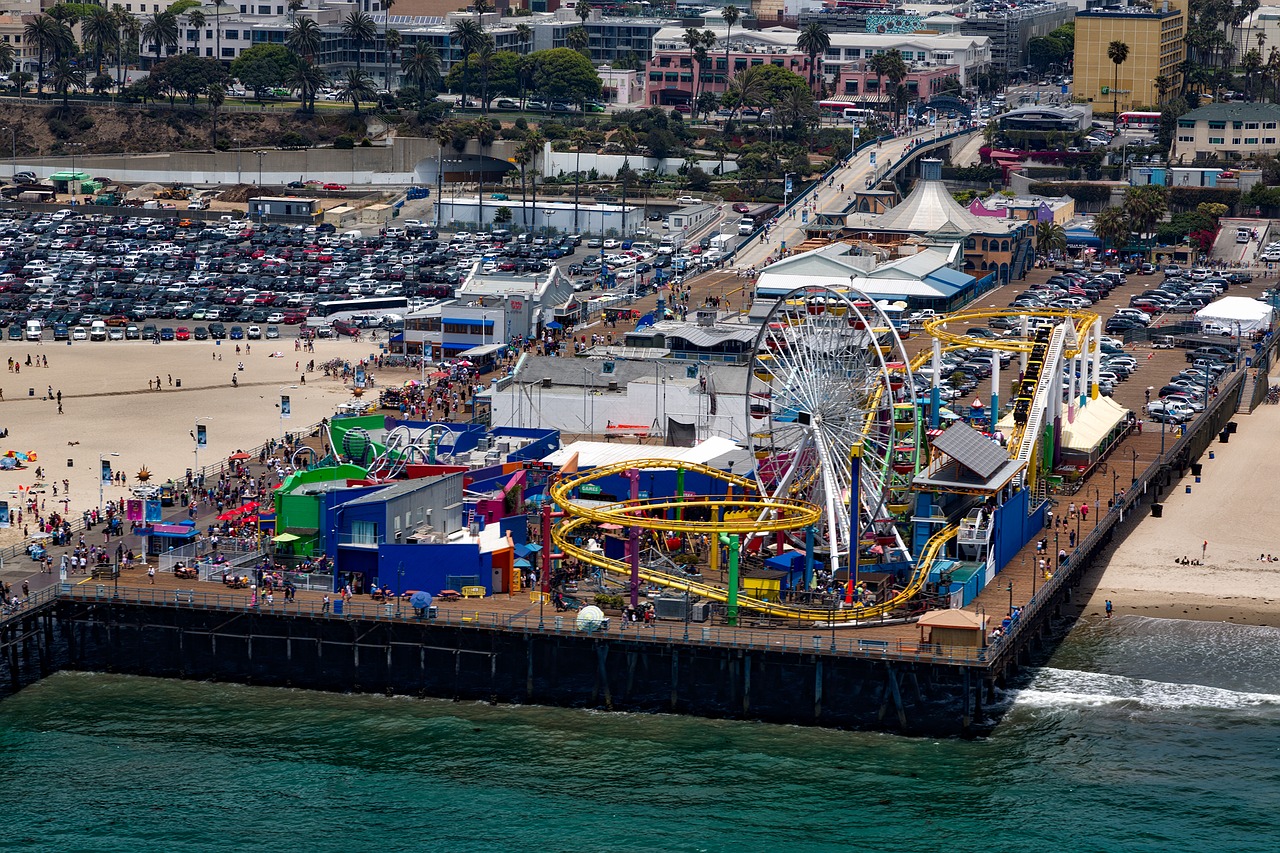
(280, 406)
(1010, 588)
(13, 141)
(260, 155)
(1133, 475)
(102, 457)
(236, 140)
(195, 436)
(1115, 476)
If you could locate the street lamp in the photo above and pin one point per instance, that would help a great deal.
(236, 140)
(1133, 476)
(1115, 475)
(195, 436)
(260, 155)
(686, 612)
(102, 457)
(13, 139)
(1010, 588)
(284, 411)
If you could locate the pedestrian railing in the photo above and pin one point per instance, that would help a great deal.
(835, 642)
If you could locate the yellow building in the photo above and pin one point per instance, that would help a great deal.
(1157, 46)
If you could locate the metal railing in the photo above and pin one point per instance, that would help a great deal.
(836, 643)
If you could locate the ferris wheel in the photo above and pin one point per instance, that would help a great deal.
(833, 418)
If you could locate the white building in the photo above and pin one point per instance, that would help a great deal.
(588, 217)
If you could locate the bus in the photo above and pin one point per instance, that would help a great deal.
(324, 313)
(756, 217)
(847, 110)
(1139, 121)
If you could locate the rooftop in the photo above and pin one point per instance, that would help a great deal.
(1234, 111)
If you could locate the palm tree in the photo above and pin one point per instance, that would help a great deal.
(129, 32)
(40, 31)
(357, 87)
(524, 34)
(484, 61)
(161, 29)
(386, 40)
(747, 89)
(308, 77)
(1163, 85)
(577, 39)
(536, 141)
(466, 35)
(1111, 226)
(524, 156)
(1050, 237)
(1145, 206)
(359, 29)
(217, 95)
(100, 34)
(896, 70)
(64, 75)
(422, 67)
(579, 138)
(813, 41)
(196, 20)
(692, 39)
(6, 57)
(304, 38)
(392, 41)
(1117, 52)
(730, 15)
(582, 10)
(217, 26)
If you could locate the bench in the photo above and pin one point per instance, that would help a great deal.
(474, 592)
(873, 645)
(107, 572)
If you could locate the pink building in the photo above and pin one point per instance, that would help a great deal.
(669, 79)
(854, 79)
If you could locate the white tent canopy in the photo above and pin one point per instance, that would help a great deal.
(1250, 314)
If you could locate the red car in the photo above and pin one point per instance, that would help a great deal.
(741, 207)
(332, 186)
(183, 333)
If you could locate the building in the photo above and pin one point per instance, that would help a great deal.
(1076, 118)
(618, 41)
(13, 32)
(686, 218)
(285, 209)
(1227, 131)
(928, 279)
(586, 217)
(1009, 30)
(701, 339)
(1032, 208)
(620, 86)
(490, 309)
(671, 70)
(1157, 47)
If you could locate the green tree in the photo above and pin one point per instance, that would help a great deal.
(64, 76)
(217, 96)
(262, 67)
(422, 67)
(1050, 237)
(189, 75)
(813, 42)
(561, 74)
(359, 29)
(43, 32)
(466, 35)
(390, 42)
(730, 15)
(161, 29)
(308, 78)
(1045, 51)
(100, 34)
(583, 10)
(1145, 206)
(356, 87)
(129, 31)
(578, 38)
(1111, 226)
(304, 37)
(1118, 53)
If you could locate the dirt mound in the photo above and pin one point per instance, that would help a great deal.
(239, 194)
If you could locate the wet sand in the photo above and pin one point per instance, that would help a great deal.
(108, 408)
(1231, 509)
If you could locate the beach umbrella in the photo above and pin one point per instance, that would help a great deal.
(522, 564)
(237, 457)
(533, 548)
(420, 600)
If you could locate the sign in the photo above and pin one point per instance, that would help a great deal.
(804, 217)
(517, 304)
(873, 158)
(133, 510)
(4, 513)
(285, 409)
(202, 437)
(643, 495)
(788, 186)
(151, 512)
(107, 478)
(589, 489)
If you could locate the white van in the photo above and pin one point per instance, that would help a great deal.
(35, 330)
(98, 330)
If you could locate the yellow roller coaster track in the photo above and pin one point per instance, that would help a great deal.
(755, 514)
(936, 328)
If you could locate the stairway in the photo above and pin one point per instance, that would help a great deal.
(1245, 406)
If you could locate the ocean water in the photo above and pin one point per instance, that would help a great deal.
(1140, 735)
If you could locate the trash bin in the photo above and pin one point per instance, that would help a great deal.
(433, 612)
(559, 623)
(389, 610)
(1157, 510)
(1196, 468)
(31, 392)
(177, 383)
(1224, 437)
(706, 635)
(1231, 427)
(337, 607)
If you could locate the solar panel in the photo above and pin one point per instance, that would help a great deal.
(972, 449)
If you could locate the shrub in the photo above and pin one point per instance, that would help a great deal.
(344, 142)
(608, 602)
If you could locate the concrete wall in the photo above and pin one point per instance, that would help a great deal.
(558, 163)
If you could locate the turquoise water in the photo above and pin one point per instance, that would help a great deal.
(1141, 735)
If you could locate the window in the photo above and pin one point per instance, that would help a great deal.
(1186, 139)
(228, 53)
(1251, 140)
(853, 53)
(364, 533)
(1217, 125)
(1236, 125)
(264, 10)
(1270, 125)
(1268, 140)
(233, 34)
(1216, 140)
(1251, 125)
(1235, 140)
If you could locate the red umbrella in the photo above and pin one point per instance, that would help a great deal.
(238, 457)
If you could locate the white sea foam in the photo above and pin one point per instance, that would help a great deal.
(1054, 688)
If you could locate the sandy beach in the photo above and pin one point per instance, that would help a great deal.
(108, 407)
(1230, 508)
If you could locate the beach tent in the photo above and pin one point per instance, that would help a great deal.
(1250, 314)
(953, 628)
(1096, 426)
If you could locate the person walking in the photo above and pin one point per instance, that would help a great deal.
(151, 575)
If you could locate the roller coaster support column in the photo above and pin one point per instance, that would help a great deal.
(731, 601)
(680, 493)
(1022, 356)
(995, 388)
(855, 535)
(808, 557)
(546, 547)
(633, 475)
(1095, 355)
(935, 393)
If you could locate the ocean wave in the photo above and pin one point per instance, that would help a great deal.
(1054, 688)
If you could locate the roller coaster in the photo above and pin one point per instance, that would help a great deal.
(754, 510)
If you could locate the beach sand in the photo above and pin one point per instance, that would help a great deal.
(108, 408)
(1230, 508)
